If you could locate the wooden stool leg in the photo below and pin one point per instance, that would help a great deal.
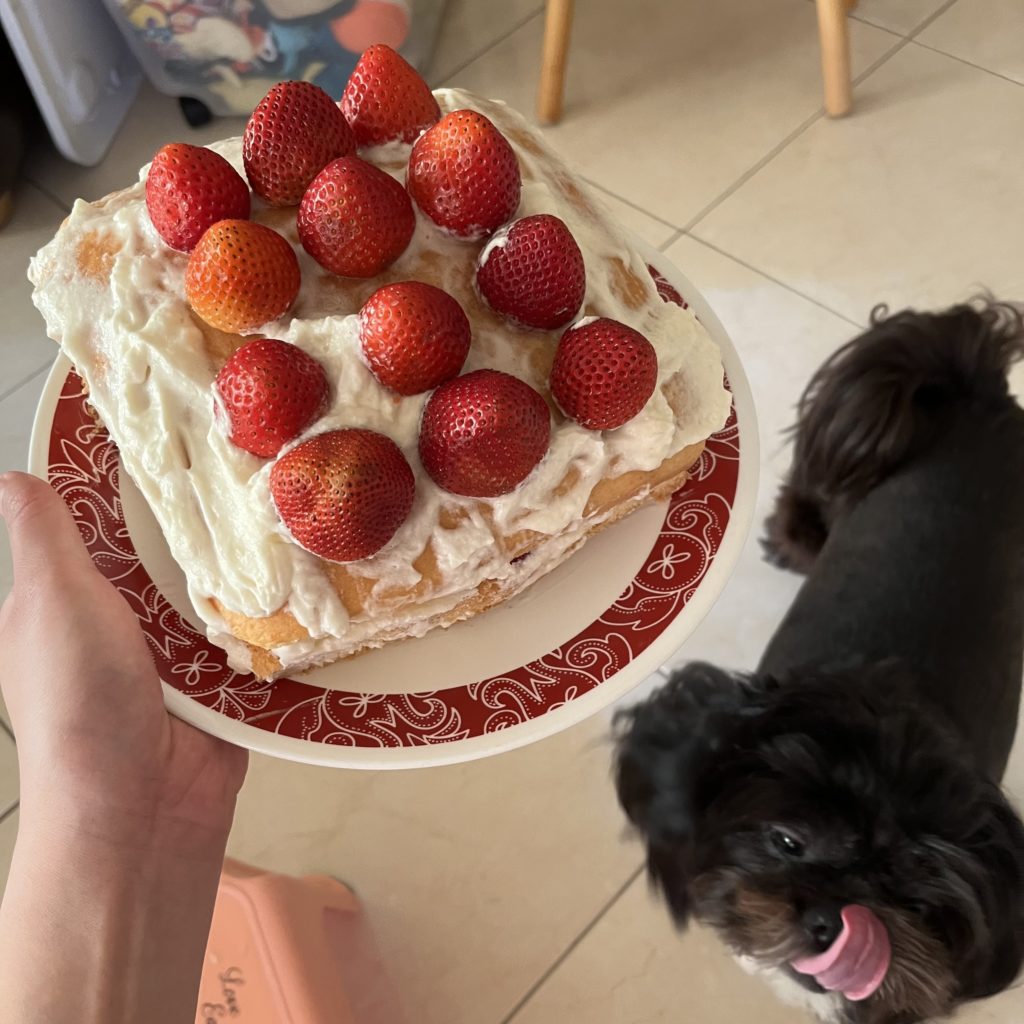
(835, 56)
(557, 26)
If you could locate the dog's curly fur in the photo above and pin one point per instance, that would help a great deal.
(875, 731)
(894, 385)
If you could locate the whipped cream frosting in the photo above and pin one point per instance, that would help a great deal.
(212, 500)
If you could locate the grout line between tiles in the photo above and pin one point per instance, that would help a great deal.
(4, 815)
(969, 63)
(775, 280)
(751, 171)
(35, 373)
(878, 28)
(887, 56)
(568, 951)
(934, 16)
(630, 203)
(46, 192)
(856, 15)
(491, 45)
(671, 240)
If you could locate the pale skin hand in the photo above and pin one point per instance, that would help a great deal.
(125, 810)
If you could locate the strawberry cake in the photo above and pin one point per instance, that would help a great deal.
(376, 366)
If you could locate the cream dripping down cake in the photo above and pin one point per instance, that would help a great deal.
(376, 366)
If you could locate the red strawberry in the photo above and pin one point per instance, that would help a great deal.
(271, 391)
(241, 275)
(386, 100)
(666, 289)
(343, 494)
(464, 175)
(355, 220)
(604, 373)
(482, 434)
(414, 336)
(532, 272)
(188, 188)
(294, 132)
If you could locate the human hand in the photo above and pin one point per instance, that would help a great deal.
(96, 748)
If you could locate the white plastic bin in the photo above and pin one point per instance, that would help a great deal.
(81, 73)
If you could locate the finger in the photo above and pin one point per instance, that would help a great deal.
(43, 535)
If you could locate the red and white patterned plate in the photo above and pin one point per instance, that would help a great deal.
(575, 642)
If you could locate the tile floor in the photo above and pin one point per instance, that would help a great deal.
(504, 890)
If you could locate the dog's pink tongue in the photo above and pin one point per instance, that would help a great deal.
(857, 962)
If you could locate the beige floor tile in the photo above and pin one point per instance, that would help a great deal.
(17, 412)
(667, 106)
(1013, 781)
(901, 16)
(8, 772)
(781, 338)
(24, 347)
(634, 968)
(475, 877)
(985, 32)
(1017, 382)
(8, 833)
(469, 27)
(1006, 1008)
(915, 199)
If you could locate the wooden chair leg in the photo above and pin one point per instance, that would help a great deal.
(557, 26)
(835, 56)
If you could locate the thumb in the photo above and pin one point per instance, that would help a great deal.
(43, 535)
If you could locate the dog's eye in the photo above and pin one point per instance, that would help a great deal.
(786, 843)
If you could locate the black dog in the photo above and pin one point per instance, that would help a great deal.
(837, 816)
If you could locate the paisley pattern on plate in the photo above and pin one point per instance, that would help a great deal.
(84, 468)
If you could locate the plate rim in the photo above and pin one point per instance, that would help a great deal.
(552, 722)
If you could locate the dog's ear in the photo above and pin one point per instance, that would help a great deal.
(664, 747)
(989, 965)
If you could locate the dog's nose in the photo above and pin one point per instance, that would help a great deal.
(823, 924)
